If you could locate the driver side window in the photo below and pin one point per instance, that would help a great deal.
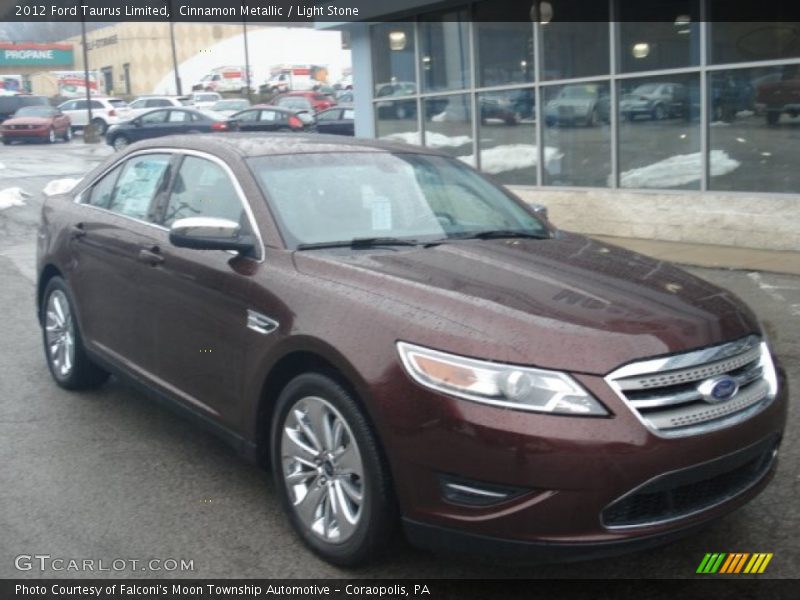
(203, 189)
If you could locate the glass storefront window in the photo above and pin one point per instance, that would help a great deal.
(577, 136)
(507, 136)
(393, 55)
(448, 125)
(755, 128)
(653, 36)
(659, 132)
(444, 51)
(575, 40)
(396, 120)
(741, 42)
(503, 43)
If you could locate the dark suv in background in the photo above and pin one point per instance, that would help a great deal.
(11, 104)
(404, 341)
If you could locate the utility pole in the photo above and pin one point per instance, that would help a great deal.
(178, 89)
(246, 59)
(90, 136)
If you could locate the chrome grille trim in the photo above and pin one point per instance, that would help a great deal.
(691, 374)
(668, 400)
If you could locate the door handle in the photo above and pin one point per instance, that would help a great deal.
(78, 231)
(151, 256)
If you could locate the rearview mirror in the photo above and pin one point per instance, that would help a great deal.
(208, 233)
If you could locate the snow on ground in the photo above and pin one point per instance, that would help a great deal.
(511, 157)
(676, 170)
(267, 47)
(60, 186)
(432, 139)
(13, 196)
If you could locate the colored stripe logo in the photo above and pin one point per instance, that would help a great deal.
(734, 563)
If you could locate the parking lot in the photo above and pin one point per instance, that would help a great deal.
(113, 475)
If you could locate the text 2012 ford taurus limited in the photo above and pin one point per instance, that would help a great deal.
(406, 342)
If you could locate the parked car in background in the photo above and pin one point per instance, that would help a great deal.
(205, 99)
(229, 106)
(406, 343)
(167, 121)
(656, 100)
(11, 103)
(586, 103)
(263, 117)
(36, 124)
(144, 103)
(781, 97)
(311, 101)
(105, 112)
(338, 120)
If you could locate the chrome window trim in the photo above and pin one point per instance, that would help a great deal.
(689, 359)
(185, 152)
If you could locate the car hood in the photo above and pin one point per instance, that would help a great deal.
(28, 121)
(568, 303)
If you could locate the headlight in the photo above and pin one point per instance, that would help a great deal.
(768, 370)
(510, 386)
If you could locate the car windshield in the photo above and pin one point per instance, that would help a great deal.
(35, 111)
(321, 198)
(294, 103)
(118, 103)
(646, 89)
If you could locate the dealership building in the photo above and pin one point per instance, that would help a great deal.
(667, 121)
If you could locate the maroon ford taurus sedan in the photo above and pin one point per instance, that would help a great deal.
(405, 342)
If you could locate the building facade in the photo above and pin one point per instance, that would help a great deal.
(669, 121)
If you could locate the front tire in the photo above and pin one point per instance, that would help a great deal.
(329, 471)
(66, 356)
(51, 136)
(120, 142)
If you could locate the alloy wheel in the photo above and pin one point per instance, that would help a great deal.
(60, 334)
(322, 469)
(120, 142)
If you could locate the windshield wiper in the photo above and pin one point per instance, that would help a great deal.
(371, 242)
(493, 234)
(490, 234)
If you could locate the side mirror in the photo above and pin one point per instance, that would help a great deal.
(539, 209)
(208, 233)
(136, 122)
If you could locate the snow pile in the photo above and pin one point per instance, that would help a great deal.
(511, 157)
(60, 186)
(676, 170)
(432, 139)
(14, 196)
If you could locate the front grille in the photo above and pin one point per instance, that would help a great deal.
(669, 394)
(683, 493)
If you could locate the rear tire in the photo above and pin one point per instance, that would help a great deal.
(99, 126)
(329, 471)
(66, 356)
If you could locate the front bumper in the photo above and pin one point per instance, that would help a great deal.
(25, 135)
(570, 470)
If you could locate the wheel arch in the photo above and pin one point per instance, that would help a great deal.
(296, 359)
(48, 272)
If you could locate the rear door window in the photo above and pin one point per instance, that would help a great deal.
(141, 179)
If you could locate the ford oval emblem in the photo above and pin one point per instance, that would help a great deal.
(718, 389)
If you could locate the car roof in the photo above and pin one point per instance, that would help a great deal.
(246, 145)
